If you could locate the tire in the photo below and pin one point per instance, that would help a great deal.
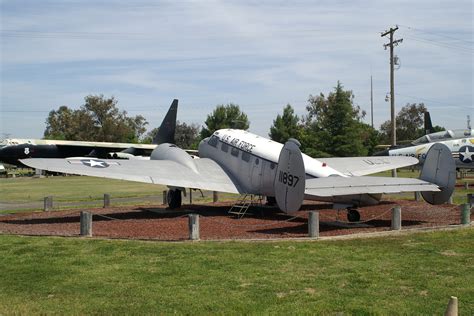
(353, 215)
(174, 199)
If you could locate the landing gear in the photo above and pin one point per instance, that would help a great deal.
(271, 201)
(353, 215)
(174, 198)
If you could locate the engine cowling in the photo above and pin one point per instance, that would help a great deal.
(174, 153)
(120, 155)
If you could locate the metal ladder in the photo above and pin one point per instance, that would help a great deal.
(243, 203)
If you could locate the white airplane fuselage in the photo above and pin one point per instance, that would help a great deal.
(462, 150)
(252, 161)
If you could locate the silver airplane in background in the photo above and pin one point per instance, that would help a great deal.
(459, 141)
(238, 161)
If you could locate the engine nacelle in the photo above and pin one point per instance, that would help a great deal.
(120, 155)
(172, 152)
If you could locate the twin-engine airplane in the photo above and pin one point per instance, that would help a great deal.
(237, 161)
(12, 150)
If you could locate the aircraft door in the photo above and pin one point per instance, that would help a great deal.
(256, 174)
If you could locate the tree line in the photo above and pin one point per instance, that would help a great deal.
(332, 125)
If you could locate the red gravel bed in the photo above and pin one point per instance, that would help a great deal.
(215, 223)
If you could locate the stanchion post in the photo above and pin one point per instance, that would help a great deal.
(193, 226)
(450, 201)
(215, 196)
(86, 224)
(48, 203)
(165, 197)
(396, 218)
(452, 308)
(190, 196)
(466, 185)
(313, 224)
(417, 196)
(465, 214)
(106, 200)
(470, 199)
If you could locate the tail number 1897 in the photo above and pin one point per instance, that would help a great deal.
(288, 179)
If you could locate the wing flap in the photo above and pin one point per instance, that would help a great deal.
(360, 166)
(334, 186)
(209, 175)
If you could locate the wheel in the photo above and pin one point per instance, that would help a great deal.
(353, 215)
(174, 198)
(271, 201)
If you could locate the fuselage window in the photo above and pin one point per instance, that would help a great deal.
(224, 147)
(234, 152)
(272, 166)
(245, 156)
(257, 161)
(213, 141)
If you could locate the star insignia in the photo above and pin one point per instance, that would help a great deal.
(94, 163)
(466, 154)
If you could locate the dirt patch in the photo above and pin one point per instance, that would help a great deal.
(215, 223)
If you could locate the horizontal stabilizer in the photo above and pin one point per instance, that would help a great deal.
(361, 166)
(334, 186)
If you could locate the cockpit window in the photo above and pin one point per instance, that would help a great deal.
(213, 140)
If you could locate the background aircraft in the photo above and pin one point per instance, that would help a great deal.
(459, 141)
(12, 150)
(237, 161)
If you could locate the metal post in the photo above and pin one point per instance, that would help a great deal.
(215, 196)
(193, 226)
(465, 214)
(86, 224)
(313, 224)
(452, 308)
(106, 200)
(396, 218)
(190, 196)
(450, 201)
(48, 203)
(417, 196)
(165, 197)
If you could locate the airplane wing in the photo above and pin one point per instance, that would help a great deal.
(207, 176)
(361, 166)
(334, 186)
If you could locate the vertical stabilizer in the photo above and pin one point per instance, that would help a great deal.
(289, 184)
(167, 128)
(428, 126)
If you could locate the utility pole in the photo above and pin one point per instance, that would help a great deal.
(392, 89)
(371, 102)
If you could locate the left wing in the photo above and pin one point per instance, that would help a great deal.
(207, 175)
(334, 186)
(361, 166)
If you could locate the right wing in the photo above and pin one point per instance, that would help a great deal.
(207, 176)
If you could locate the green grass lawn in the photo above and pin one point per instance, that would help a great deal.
(83, 189)
(410, 274)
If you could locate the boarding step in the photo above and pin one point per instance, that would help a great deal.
(242, 205)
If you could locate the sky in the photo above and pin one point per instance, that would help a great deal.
(260, 55)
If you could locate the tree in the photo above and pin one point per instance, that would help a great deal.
(409, 123)
(285, 126)
(333, 125)
(98, 119)
(225, 116)
(186, 136)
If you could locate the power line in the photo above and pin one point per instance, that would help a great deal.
(436, 34)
